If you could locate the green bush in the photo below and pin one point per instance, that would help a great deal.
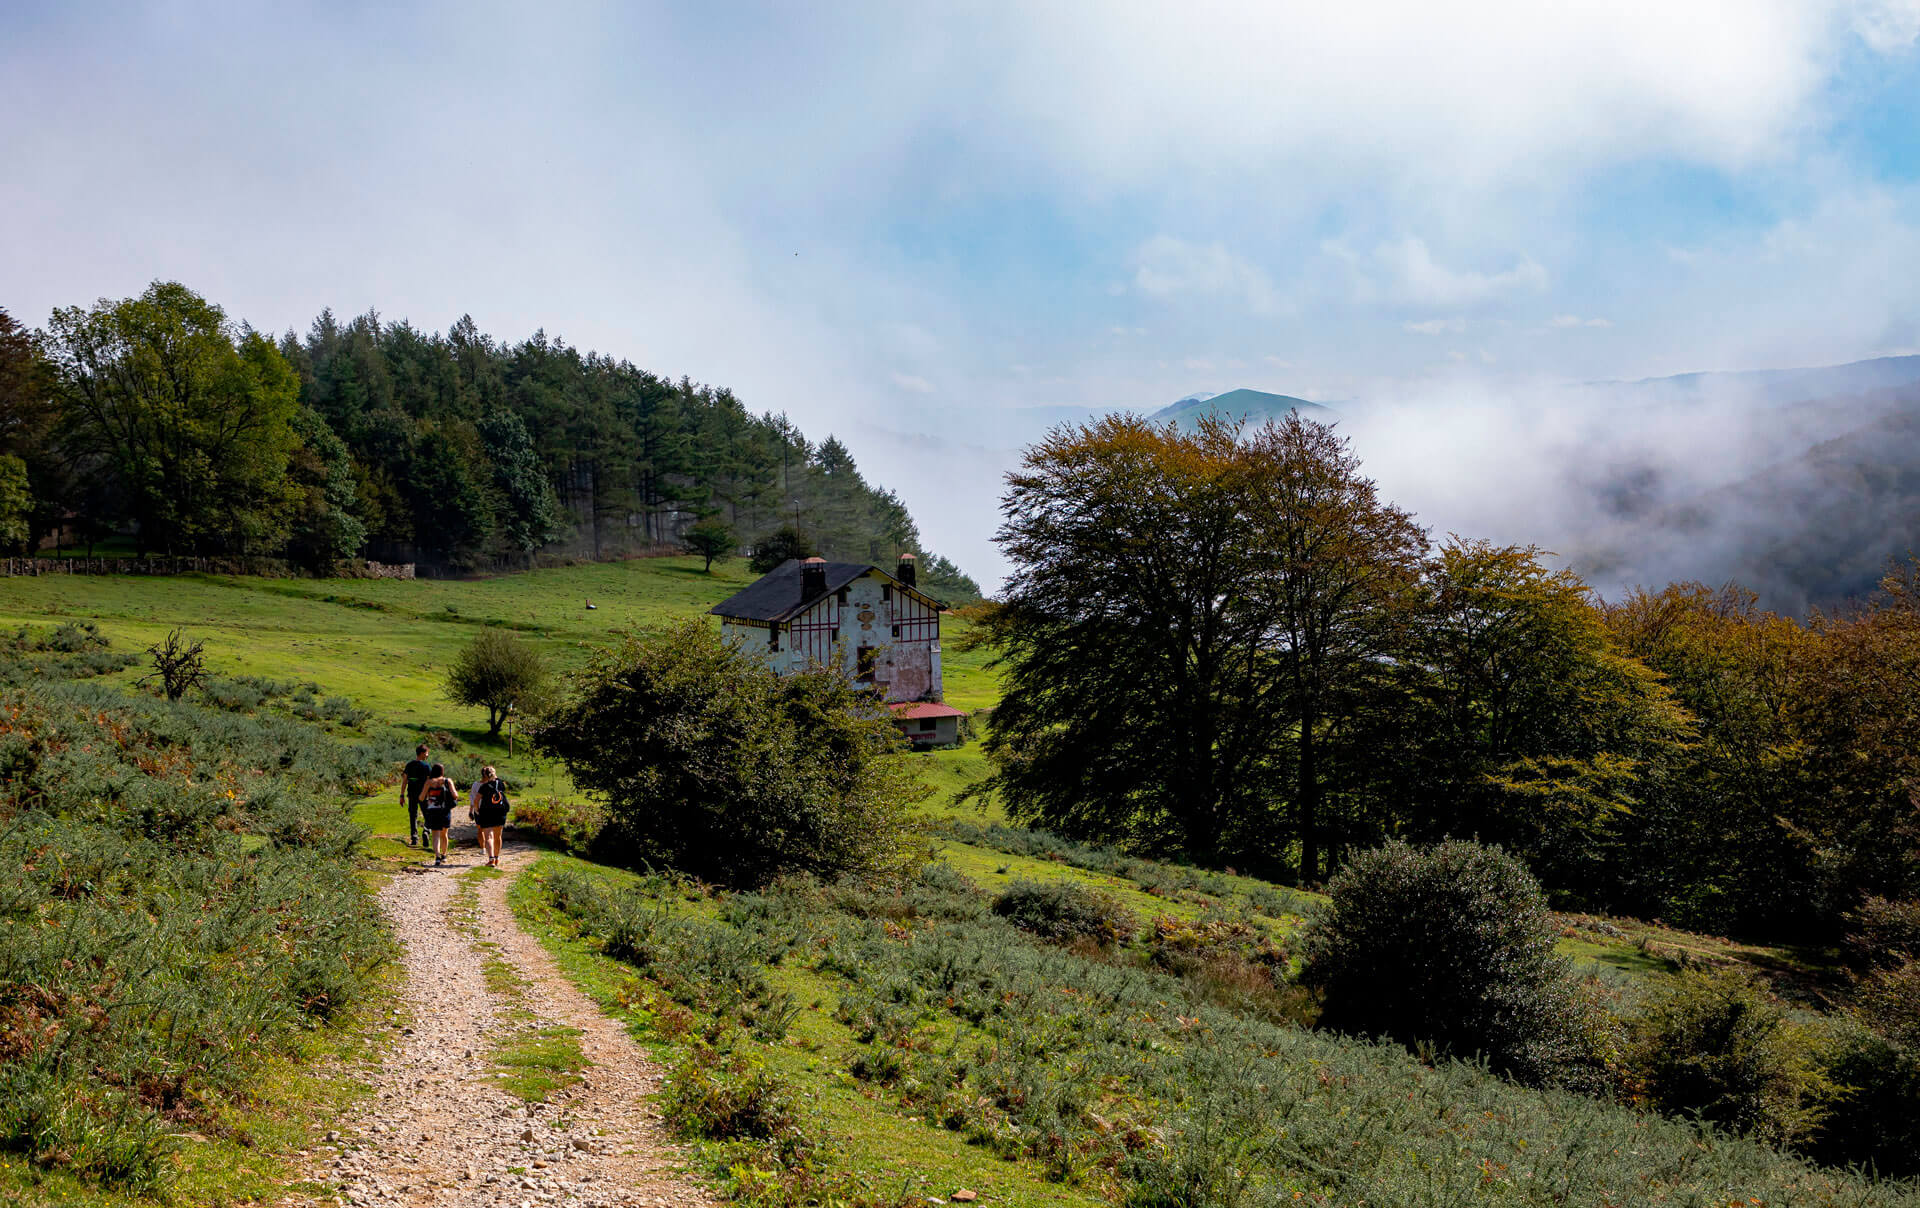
(1064, 911)
(1883, 933)
(709, 763)
(1717, 1047)
(1874, 1116)
(1452, 946)
(782, 545)
(573, 826)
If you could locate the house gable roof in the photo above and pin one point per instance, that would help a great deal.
(775, 596)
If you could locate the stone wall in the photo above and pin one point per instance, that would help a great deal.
(270, 568)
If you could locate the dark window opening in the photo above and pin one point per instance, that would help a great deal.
(896, 631)
(865, 658)
(842, 594)
(773, 635)
(926, 725)
(886, 592)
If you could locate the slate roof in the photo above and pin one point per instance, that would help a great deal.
(775, 596)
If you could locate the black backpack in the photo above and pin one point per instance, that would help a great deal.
(492, 794)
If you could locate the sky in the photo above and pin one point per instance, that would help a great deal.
(929, 228)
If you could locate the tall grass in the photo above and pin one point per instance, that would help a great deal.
(178, 899)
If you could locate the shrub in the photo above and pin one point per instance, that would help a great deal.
(1888, 1001)
(1883, 933)
(1064, 911)
(181, 900)
(572, 825)
(1717, 1047)
(710, 763)
(1874, 1117)
(178, 665)
(499, 671)
(714, 1096)
(1453, 946)
(782, 545)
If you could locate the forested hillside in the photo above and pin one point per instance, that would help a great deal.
(162, 417)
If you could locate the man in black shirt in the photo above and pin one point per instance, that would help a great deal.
(418, 772)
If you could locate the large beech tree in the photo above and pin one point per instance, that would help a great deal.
(1187, 615)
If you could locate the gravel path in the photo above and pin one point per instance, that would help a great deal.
(439, 1131)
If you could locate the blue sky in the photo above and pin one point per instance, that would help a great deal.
(911, 224)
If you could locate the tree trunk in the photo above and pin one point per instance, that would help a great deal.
(1309, 800)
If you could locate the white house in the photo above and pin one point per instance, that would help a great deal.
(879, 628)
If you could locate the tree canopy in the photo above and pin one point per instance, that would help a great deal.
(372, 438)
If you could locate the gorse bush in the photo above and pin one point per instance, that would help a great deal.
(710, 763)
(1064, 911)
(1452, 947)
(1717, 1047)
(179, 900)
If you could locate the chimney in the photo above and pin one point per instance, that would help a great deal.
(909, 570)
(813, 579)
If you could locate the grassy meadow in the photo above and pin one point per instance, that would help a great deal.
(912, 1044)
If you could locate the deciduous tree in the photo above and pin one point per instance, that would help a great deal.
(196, 416)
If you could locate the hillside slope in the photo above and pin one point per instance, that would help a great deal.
(1810, 530)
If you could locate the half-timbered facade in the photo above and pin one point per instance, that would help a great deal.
(877, 627)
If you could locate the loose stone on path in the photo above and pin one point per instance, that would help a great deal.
(438, 1131)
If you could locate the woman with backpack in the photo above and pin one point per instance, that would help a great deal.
(437, 799)
(489, 812)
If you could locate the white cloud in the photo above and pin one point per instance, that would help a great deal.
(908, 381)
(1888, 26)
(1169, 267)
(1411, 275)
(1577, 321)
(1434, 327)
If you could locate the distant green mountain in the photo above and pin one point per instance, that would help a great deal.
(1255, 406)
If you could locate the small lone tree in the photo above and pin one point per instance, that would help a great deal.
(178, 664)
(498, 671)
(710, 540)
(782, 544)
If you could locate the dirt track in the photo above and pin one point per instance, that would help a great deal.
(439, 1130)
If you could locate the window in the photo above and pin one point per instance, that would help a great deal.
(773, 635)
(926, 725)
(886, 592)
(864, 660)
(896, 631)
(842, 595)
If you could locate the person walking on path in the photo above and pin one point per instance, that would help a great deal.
(436, 810)
(413, 783)
(488, 809)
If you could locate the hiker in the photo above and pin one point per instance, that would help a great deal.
(414, 781)
(488, 809)
(436, 810)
